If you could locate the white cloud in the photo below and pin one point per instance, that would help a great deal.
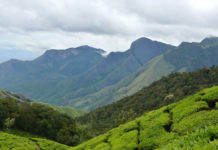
(112, 25)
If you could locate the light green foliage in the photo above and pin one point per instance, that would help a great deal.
(188, 106)
(8, 141)
(209, 94)
(156, 121)
(124, 141)
(102, 146)
(188, 124)
(67, 110)
(124, 137)
(48, 145)
(196, 120)
(201, 139)
(25, 142)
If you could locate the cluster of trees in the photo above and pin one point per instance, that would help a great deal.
(39, 119)
(167, 90)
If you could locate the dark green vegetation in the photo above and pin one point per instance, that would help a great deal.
(9, 95)
(160, 93)
(67, 110)
(190, 124)
(74, 76)
(41, 119)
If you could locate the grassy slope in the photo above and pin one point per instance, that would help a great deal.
(158, 68)
(148, 73)
(67, 110)
(191, 123)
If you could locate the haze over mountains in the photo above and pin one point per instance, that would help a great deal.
(13, 53)
(83, 78)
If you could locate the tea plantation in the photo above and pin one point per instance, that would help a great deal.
(10, 141)
(190, 124)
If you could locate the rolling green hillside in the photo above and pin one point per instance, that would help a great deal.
(191, 123)
(160, 93)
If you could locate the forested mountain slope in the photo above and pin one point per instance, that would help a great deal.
(165, 91)
(7, 95)
(191, 123)
(67, 110)
(83, 78)
(52, 122)
(62, 77)
(186, 57)
(38, 77)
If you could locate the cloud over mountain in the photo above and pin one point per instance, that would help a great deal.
(108, 24)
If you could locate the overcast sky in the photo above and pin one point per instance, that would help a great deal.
(112, 25)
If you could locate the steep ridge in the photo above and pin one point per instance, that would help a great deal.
(63, 77)
(8, 95)
(186, 57)
(38, 77)
(57, 77)
(191, 123)
(114, 68)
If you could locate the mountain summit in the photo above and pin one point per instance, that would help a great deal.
(210, 41)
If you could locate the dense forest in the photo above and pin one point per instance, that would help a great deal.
(167, 90)
(39, 119)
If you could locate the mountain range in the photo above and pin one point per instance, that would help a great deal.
(82, 77)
